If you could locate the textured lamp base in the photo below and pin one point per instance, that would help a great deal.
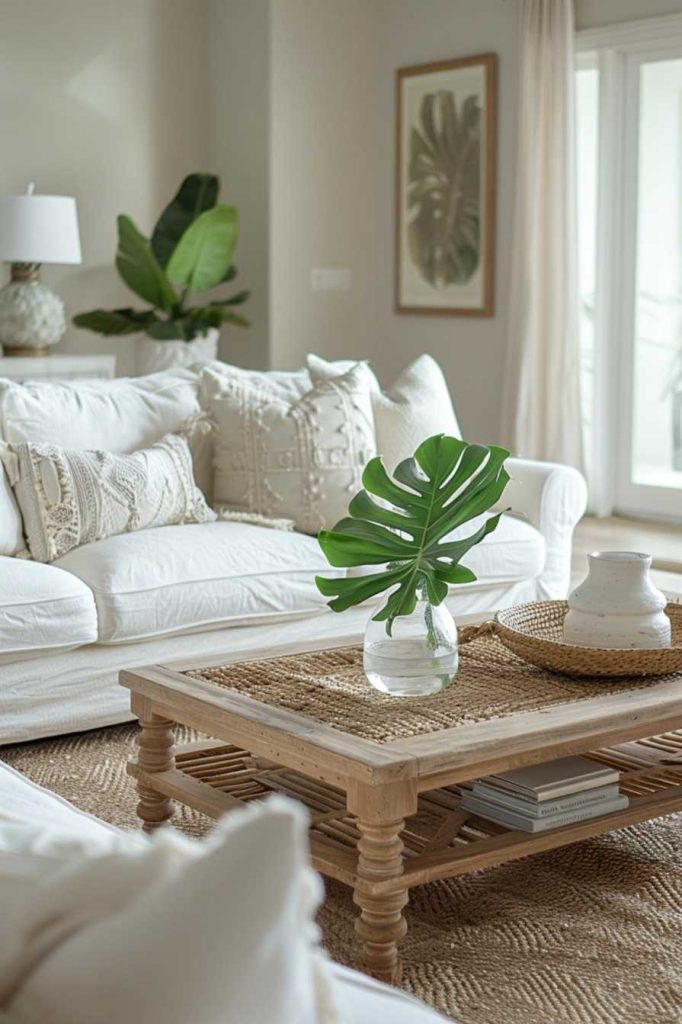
(20, 350)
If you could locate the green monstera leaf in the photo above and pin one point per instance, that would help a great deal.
(447, 483)
(198, 192)
(443, 192)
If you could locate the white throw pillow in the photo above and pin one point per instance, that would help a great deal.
(120, 415)
(69, 498)
(292, 384)
(291, 457)
(11, 532)
(416, 406)
(213, 932)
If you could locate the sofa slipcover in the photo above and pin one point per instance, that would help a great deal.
(42, 610)
(199, 576)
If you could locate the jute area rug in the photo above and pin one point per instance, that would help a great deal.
(591, 934)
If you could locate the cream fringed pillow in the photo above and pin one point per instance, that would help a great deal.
(68, 498)
(286, 456)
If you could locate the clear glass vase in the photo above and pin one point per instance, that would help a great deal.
(419, 658)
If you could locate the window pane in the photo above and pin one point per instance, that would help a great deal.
(587, 154)
(657, 426)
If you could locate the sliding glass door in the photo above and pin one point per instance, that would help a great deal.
(629, 164)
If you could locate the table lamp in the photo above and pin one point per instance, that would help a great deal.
(34, 229)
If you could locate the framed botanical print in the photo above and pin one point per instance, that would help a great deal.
(445, 187)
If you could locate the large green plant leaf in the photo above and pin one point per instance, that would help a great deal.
(203, 255)
(446, 484)
(198, 192)
(115, 321)
(444, 189)
(137, 265)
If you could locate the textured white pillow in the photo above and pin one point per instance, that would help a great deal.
(292, 384)
(120, 415)
(177, 931)
(69, 498)
(416, 406)
(11, 535)
(298, 458)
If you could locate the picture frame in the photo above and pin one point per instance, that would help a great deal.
(446, 126)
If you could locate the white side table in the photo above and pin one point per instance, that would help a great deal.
(57, 367)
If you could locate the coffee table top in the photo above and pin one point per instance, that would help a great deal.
(500, 712)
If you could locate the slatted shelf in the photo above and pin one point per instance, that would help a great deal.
(441, 840)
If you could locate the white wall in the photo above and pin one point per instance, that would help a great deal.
(108, 102)
(239, 151)
(324, 82)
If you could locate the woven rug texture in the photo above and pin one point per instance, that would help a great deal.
(589, 934)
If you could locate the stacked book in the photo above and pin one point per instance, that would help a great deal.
(546, 796)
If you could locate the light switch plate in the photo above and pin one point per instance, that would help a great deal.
(330, 279)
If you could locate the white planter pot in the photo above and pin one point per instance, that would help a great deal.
(152, 356)
(617, 605)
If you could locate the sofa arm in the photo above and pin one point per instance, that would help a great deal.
(553, 499)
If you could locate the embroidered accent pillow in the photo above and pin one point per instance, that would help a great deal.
(416, 406)
(69, 498)
(289, 457)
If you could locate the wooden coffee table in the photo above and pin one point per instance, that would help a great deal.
(382, 776)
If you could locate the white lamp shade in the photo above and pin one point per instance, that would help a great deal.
(39, 229)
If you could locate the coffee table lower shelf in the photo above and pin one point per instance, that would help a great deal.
(441, 840)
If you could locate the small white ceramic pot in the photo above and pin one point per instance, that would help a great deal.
(617, 604)
(152, 356)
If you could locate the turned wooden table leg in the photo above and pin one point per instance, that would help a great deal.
(381, 925)
(155, 754)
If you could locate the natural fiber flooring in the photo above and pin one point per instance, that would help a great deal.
(591, 934)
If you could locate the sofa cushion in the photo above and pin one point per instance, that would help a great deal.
(416, 406)
(42, 610)
(515, 550)
(293, 457)
(118, 415)
(202, 576)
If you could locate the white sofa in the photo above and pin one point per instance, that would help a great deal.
(198, 591)
(54, 823)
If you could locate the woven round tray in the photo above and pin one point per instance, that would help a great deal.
(534, 632)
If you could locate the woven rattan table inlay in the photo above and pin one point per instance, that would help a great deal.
(330, 687)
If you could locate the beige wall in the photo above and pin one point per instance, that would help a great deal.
(239, 151)
(324, 82)
(107, 102)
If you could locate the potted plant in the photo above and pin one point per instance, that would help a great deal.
(190, 251)
(411, 642)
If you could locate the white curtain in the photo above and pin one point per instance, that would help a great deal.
(541, 412)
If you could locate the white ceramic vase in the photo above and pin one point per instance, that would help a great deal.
(617, 604)
(152, 356)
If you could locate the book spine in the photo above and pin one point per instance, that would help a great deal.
(518, 821)
(535, 809)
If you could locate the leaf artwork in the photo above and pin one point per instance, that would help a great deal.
(443, 192)
(445, 484)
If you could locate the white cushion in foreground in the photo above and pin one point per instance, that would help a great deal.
(173, 931)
